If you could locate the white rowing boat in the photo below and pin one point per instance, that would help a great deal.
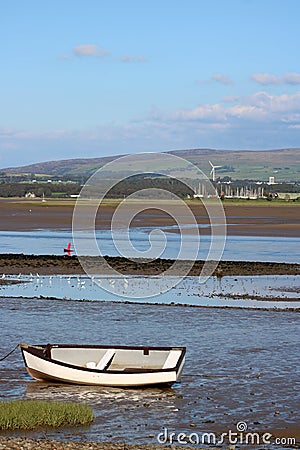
(103, 365)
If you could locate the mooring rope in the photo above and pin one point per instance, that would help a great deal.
(8, 354)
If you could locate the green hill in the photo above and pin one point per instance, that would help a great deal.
(283, 164)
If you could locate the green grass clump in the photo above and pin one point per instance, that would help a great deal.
(31, 414)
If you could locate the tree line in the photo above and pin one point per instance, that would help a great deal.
(39, 189)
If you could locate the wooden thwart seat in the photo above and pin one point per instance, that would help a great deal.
(172, 359)
(104, 362)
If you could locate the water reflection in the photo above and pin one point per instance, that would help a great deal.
(268, 291)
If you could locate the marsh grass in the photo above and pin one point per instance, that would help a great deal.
(31, 414)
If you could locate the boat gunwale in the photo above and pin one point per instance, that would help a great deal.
(38, 351)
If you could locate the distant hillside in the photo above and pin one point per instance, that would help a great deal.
(283, 164)
(79, 166)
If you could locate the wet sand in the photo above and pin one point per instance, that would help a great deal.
(13, 264)
(263, 219)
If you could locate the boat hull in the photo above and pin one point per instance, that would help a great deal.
(42, 368)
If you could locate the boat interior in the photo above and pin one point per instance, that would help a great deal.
(117, 359)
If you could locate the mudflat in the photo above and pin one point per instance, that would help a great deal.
(246, 219)
(56, 264)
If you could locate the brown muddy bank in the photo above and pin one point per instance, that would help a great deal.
(51, 265)
(251, 219)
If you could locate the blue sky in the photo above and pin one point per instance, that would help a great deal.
(94, 78)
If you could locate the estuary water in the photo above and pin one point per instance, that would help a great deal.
(237, 248)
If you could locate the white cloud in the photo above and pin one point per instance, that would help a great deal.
(250, 112)
(264, 78)
(90, 50)
(292, 78)
(203, 112)
(258, 111)
(259, 108)
(267, 78)
(221, 78)
(216, 78)
(277, 104)
(230, 98)
(130, 58)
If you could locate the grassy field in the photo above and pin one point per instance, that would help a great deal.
(114, 202)
(32, 414)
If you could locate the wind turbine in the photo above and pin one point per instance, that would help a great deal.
(213, 170)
